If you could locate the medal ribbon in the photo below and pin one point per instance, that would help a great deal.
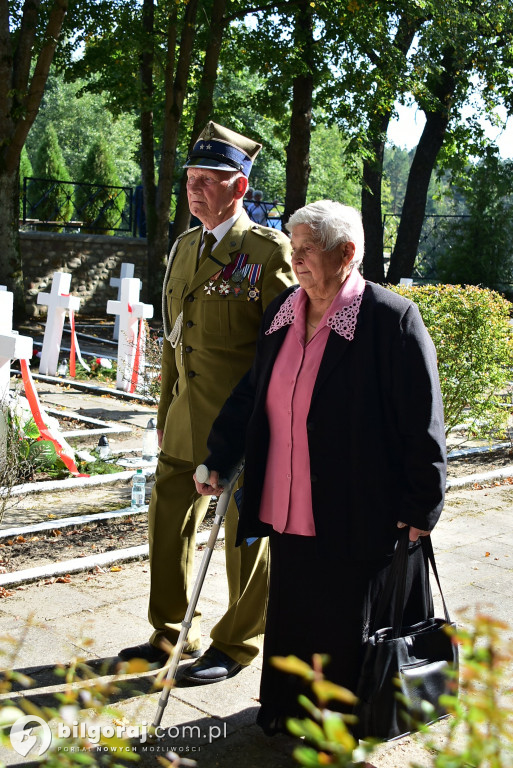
(37, 414)
(231, 268)
(254, 273)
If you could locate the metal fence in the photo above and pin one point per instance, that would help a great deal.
(433, 240)
(265, 212)
(77, 206)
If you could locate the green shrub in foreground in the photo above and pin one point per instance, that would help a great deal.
(479, 731)
(474, 343)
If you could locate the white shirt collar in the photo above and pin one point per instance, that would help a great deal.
(220, 231)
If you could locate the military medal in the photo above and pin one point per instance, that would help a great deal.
(236, 272)
(224, 289)
(210, 286)
(253, 276)
(240, 273)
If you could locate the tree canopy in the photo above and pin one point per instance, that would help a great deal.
(300, 75)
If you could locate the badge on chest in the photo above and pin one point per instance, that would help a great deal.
(228, 281)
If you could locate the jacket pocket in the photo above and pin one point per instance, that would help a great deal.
(175, 291)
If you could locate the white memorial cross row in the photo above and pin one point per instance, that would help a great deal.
(127, 270)
(130, 310)
(58, 302)
(12, 345)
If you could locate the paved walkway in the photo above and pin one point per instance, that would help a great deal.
(92, 616)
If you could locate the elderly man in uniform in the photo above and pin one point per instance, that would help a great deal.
(220, 278)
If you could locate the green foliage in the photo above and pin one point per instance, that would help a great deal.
(80, 118)
(27, 454)
(477, 250)
(98, 205)
(480, 732)
(50, 203)
(480, 726)
(242, 101)
(28, 457)
(67, 706)
(98, 371)
(328, 731)
(25, 170)
(396, 167)
(474, 344)
(329, 178)
(98, 466)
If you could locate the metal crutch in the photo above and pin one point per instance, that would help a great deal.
(202, 474)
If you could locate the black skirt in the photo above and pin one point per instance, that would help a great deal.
(326, 606)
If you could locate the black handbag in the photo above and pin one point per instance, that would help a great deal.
(405, 667)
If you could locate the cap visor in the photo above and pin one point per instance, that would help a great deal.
(206, 162)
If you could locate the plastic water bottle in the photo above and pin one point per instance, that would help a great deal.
(138, 489)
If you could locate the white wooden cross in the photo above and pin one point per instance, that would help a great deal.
(58, 302)
(129, 309)
(127, 270)
(12, 345)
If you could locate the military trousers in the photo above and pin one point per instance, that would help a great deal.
(175, 512)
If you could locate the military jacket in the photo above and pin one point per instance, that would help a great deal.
(220, 319)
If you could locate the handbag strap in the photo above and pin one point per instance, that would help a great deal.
(395, 586)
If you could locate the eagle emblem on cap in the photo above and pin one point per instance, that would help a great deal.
(208, 132)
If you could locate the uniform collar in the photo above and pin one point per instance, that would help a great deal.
(225, 250)
(220, 231)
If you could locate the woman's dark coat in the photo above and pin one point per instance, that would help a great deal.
(375, 430)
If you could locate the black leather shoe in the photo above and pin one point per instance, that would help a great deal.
(212, 667)
(152, 654)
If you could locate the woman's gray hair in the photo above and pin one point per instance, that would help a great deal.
(332, 223)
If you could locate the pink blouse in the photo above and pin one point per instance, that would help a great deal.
(287, 495)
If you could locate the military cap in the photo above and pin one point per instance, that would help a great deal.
(220, 148)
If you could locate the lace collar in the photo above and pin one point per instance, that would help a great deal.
(343, 312)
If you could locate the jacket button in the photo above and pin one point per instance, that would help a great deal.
(313, 478)
(190, 298)
(189, 323)
(309, 426)
(188, 349)
(191, 374)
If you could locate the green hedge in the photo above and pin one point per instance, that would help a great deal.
(471, 331)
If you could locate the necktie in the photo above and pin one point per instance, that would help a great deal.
(208, 243)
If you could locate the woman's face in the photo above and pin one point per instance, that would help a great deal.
(319, 272)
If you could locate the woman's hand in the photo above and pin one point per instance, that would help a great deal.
(414, 532)
(212, 487)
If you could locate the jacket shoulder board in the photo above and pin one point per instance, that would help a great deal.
(269, 233)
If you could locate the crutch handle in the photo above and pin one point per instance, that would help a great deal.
(202, 473)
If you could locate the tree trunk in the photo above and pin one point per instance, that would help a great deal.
(298, 148)
(390, 74)
(203, 108)
(11, 273)
(373, 266)
(175, 84)
(20, 98)
(403, 257)
(147, 132)
(414, 206)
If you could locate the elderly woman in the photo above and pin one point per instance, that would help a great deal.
(340, 420)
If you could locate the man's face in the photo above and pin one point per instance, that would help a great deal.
(214, 196)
